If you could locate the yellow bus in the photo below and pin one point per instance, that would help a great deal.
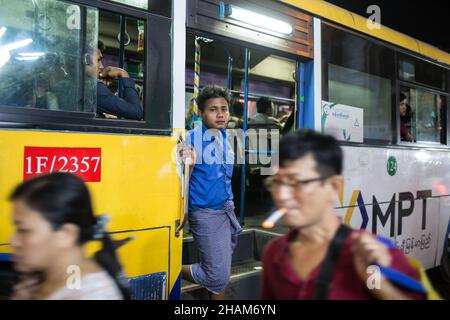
(320, 65)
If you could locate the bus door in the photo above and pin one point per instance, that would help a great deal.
(271, 90)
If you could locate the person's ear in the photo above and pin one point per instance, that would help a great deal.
(337, 183)
(67, 235)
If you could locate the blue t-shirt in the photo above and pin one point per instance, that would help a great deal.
(210, 183)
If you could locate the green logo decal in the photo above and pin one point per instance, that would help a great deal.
(392, 166)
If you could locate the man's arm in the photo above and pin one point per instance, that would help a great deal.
(129, 107)
(368, 251)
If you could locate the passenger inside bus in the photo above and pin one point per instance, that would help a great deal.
(128, 107)
(283, 115)
(405, 119)
(42, 97)
(264, 107)
(236, 117)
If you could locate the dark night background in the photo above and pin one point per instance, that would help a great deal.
(428, 21)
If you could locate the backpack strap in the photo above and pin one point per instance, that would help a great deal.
(323, 281)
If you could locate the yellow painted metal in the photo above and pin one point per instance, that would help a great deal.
(139, 188)
(349, 212)
(149, 252)
(356, 22)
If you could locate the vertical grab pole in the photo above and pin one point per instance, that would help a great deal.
(242, 202)
(229, 70)
(195, 117)
(301, 95)
(123, 22)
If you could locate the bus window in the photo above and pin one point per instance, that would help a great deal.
(359, 73)
(419, 71)
(121, 88)
(50, 62)
(40, 56)
(422, 116)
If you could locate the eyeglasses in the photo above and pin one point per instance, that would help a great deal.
(273, 183)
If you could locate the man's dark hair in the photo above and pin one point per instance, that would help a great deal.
(238, 109)
(324, 148)
(101, 46)
(209, 92)
(263, 104)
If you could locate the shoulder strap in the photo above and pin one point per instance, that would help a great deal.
(323, 281)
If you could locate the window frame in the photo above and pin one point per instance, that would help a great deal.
(424, 85)
(325, 78)
(32, 118)
(401, 83)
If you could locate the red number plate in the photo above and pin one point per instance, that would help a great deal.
(83, 162)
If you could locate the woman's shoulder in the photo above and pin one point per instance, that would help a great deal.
(93, 286)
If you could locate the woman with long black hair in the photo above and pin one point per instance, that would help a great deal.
(54, 218)
(405, 118)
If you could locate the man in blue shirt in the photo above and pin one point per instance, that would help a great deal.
(211, 210)
(128, 107)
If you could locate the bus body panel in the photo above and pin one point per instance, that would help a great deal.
(139, 189)
(399, 194)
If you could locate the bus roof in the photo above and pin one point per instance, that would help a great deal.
(334, 13)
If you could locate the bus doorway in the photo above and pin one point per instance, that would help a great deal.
(271, 112)
(264, 88)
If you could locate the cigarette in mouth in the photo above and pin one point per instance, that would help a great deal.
(273, 218)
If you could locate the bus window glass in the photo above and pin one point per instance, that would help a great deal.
(122, 72)
(359, 73)
(422, 116)
(44, 45)
(419, 71)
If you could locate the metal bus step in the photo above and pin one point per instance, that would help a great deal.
(246, 269)
(245, 283)
(250, 245)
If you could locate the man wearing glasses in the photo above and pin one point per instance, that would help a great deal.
(320, 258)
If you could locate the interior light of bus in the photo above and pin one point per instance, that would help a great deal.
(4, 57)
(27, 58)
(31, 54)
(257, 20)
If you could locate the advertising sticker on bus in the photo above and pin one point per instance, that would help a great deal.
(83, 162)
